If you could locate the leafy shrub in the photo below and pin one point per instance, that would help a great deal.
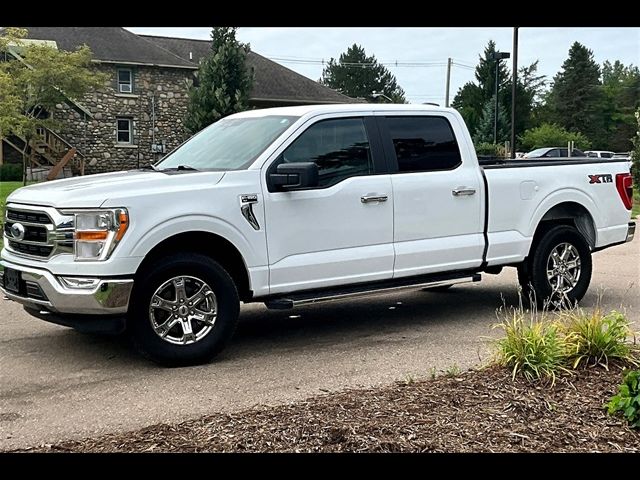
(10, 172)
(486, 149)
(627, 399)
(531, 346)
(552, 135)
(595, 338)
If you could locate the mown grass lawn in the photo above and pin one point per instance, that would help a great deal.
(636, 203)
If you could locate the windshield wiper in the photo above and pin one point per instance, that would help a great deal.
(179, 168)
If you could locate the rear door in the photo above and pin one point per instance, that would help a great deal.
(438, 221)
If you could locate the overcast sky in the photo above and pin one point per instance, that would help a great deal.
(303, 49)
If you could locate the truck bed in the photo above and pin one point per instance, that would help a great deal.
(490, 163)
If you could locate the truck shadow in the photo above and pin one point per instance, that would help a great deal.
(468, 311)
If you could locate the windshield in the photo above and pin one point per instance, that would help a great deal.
(538, 152)
(228, 144)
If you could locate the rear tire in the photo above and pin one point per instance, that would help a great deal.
(559, 268)
(184, 310)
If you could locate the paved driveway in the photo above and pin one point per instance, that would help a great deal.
(57, 384)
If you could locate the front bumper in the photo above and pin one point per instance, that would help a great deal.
(44, 296)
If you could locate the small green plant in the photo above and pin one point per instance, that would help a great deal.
(595, 338)
(627, 400)
(531, 345)
(432, 373)
(453, 370)
(408, 379)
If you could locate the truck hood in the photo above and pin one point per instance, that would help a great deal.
(93, 191)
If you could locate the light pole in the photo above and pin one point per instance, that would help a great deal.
(497, 56)
(514, 84)
(378, 94)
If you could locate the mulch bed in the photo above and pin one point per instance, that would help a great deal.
(476, 411)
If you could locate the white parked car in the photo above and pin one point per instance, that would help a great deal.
(599, 153)
(298, 205)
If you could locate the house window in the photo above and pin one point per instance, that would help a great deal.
(125, 80)
(124, 132)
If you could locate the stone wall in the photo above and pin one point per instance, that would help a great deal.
(96, 137)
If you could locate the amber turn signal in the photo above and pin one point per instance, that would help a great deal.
(91, 235)
(123, 219)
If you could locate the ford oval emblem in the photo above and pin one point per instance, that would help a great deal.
(17, 231)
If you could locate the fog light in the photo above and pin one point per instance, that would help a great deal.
(79, 283)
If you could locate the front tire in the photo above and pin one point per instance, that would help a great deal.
(559, 269)
(184, 310)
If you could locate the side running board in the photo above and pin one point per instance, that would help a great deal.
(341, 293)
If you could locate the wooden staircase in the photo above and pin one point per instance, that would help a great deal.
(48, 151)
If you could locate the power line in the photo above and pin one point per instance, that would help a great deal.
(404, 64)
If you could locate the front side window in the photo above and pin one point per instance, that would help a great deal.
(339, 147)
(125, 83)
(423, 144)
(124, 130)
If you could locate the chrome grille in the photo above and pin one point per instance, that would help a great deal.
(46, 232)
(31, 217)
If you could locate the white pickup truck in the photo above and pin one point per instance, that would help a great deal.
(296, 205)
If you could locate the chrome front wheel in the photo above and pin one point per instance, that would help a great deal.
(183, 310)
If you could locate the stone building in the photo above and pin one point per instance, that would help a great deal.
(138, 115)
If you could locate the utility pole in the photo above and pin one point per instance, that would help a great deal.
(514, 83)
(446, 100)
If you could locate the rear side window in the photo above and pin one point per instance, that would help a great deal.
(423, 144)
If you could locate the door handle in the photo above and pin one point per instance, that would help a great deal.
(372, 197)
(458, 192)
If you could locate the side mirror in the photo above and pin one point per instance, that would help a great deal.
(290, 176)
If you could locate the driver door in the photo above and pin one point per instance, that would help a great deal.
(332, 234)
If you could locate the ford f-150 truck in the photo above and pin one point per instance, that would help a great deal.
(296, 205)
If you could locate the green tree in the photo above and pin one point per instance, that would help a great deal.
(357, 75)
(34, 78)
(224, 81)
(529, 91)
(552, 135)
(621, 86)
(472, 97)
(471, 100)
(635, 153)
(484, 131)
(576, 100)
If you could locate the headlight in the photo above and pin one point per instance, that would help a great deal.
(97, 232)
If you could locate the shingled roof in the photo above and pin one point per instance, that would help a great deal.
(272, 81)
(110, 44)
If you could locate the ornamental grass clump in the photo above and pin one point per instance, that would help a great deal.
(531, 346)
(596, 338)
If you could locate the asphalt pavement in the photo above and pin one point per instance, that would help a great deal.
(58, 384)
